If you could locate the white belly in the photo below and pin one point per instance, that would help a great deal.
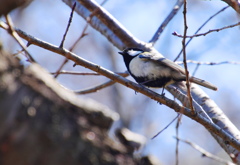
(147, 68)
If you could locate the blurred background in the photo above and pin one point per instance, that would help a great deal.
(47, 20)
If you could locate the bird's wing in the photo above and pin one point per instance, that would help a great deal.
(178, 72)
(172, 65)
(162, 61)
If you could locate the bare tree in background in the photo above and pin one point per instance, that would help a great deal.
(208, 114)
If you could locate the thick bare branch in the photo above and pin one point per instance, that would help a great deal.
(235, 4)
(217, 116)
(106, 24)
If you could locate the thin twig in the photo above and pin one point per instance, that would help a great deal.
(210, 63)
(198, 63)
(165, 127)
(205, 153)
(210, 31)
(195, 70)
(106, 24)
(63, 40)
(185, 56)
(124, 74)
(68, 26)
(174, 11)
(103, 2)
(101, 86)
(60, 68)
(95, 88)
(14, 34)
(201, 28)
(177, 142)
(83, 34)
(77, 73)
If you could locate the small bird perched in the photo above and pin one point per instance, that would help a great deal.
(153, 70)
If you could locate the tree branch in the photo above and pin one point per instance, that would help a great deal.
(106, 24)
(165, 127)
(206, 153)
(185, 56)
(13, 33)
(217, 116)
(99, 87)
(200, 29)
(68, 26)
(174, 11)
(235, 4)
(210, 31)
(209, 63)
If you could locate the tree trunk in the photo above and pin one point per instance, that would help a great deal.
(42, 123)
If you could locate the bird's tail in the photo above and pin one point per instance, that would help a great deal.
(203, 83)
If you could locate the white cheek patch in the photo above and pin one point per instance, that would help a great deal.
(134, 52)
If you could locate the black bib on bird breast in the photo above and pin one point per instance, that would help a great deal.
(127, 60)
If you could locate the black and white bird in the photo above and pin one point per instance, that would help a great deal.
(153, 70)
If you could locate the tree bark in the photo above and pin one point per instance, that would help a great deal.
(42, 123)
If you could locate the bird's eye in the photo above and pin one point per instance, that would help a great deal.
(134, 52)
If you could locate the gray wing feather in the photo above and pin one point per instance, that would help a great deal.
(161, 60)
(177, 71)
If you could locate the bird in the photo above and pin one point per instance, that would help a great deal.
(151, 69)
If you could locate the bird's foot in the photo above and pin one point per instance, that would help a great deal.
(162, 94)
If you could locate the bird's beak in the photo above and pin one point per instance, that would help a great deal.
(121, 53)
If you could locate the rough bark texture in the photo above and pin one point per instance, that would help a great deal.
(42, 123)
(7, 6)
